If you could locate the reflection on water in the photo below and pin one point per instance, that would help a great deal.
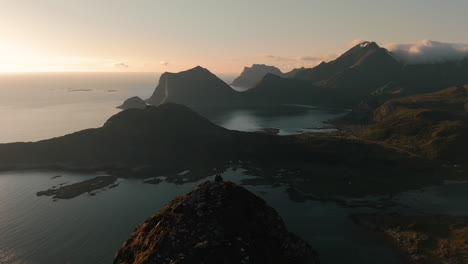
(89, 229)
(291, 119)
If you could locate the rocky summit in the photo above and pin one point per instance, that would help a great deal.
(215, 223)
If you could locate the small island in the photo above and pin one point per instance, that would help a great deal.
(76, 189)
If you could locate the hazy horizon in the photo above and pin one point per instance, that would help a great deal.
(119, 36)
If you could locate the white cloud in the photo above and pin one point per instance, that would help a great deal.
(428, 51)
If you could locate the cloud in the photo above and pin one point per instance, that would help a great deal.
(164, 63)
(270, 56)
(121, 65)
(308, 58)
(276, 58)
(428, 51)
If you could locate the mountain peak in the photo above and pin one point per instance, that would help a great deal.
(251, 75)
(368, 45)
(215, 223)
(195, 87)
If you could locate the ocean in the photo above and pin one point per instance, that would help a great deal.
(35, 106)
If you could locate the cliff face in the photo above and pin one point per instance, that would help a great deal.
(215, 223)
(195, 87)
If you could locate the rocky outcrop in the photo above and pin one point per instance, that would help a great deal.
(215, 223)
(133, 102)
(197, 87)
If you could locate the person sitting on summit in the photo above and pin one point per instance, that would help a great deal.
(218, 178)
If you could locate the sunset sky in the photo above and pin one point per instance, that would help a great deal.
(223, 36)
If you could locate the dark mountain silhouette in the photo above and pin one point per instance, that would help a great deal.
(133, 102)
(341, 82)
(353, 75)
(275, 90)
(252, 75)
(293, 72)
(170, 134)
(215, 223)
(195, 87)
(424, 78)
(365, 72)
(367, 56)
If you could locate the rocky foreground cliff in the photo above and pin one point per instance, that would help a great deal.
(215, 223)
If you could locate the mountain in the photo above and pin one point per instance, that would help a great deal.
(293, 72)
(364, 76)
(355, 74)
(171, 135)
(424, 78)
(433, 125)
(215, 223)
(133, 102)
(365, 57)
(341, 82)
(252, 75)
(275, 90)
(196, 87)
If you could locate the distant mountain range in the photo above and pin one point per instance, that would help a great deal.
(251, 75)
(366, 73)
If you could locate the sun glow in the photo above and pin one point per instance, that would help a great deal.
(15, 57)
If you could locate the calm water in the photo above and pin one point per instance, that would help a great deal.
(89, 229)
(291, 119)
(39, 106)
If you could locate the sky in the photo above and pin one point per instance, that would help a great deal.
(223, 36)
